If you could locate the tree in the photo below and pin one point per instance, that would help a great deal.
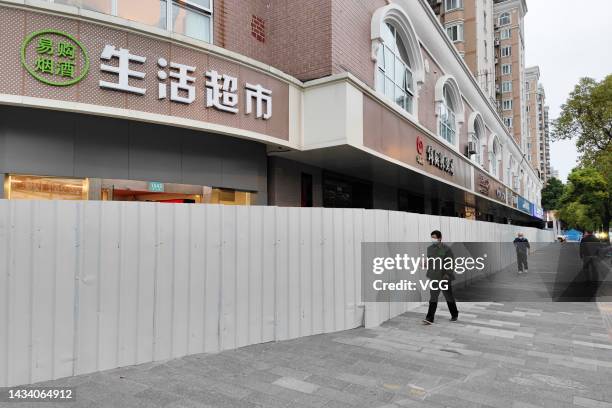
(586, 200)
(551, 194)
(587, 116)
(574, 216)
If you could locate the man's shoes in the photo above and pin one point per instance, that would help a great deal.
(454, 318)
(520, 272)
(427, 322)
(526, 270)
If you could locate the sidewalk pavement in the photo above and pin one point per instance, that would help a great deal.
(506, 355)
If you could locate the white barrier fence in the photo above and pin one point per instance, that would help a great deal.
(90, 286)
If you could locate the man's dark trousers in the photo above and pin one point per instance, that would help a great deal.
(521, 259)
(433, 302)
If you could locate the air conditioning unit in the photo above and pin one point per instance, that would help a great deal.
(497, 42)
(496, 60)
(497, 88)
(471, 148)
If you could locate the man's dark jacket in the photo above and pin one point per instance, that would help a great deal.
(589, 246)
(434, 271)
(521, 245)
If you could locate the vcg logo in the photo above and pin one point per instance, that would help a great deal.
(54, 58)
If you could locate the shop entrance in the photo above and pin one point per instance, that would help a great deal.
(346, 192)
(149, 191)
(153, 191)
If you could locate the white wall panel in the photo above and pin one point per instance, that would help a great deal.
(88, 286)
(5, 287)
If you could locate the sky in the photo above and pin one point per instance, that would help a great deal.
(567, 39)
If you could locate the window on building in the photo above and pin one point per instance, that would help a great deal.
(192, 18)
(504, 19)
(505, 33)
(476, 142)
(506, 86)
(101, 6)
(394, 73)
(476, 138)
(448, 125)
(29, 187)
(307, 188)
(507, 104)
(508, 122)
(494, 156)
(155, 15)
(506, 51)
(506, 69)
(453, 4)
(455, 31)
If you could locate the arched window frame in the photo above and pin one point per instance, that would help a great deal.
(495, 155)
(504, 19)
(477, 134)
(449, 84)
(397, 17)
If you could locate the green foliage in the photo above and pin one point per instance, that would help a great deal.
(551, 194)
(574, 215)
(585, 202)
(587, 116)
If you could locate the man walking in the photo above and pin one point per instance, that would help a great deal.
(589, 251)
(437, 253)
(522, 246)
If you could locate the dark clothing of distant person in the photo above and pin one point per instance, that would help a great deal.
(589, 251)
(522, 247)
(436, 256)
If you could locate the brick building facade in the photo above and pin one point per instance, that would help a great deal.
(336, 103)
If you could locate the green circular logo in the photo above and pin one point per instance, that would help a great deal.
(54, 58)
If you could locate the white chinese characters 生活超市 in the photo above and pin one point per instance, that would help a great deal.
(221, 95)
(221, 89)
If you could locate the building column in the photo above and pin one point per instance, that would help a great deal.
(95, 189)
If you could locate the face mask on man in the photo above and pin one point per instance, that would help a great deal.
(435, 240)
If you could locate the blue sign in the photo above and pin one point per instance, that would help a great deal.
(524, 205)
(538, 212)
(156, 186)
(573, 235)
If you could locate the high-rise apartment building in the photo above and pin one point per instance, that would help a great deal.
(532, 108)
(546, 147)
(554, 173)
(509, 23)
(489, 34)
(469, 24)
(537, 136)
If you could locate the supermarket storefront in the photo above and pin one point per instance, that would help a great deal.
(90, 112)
(98, 110)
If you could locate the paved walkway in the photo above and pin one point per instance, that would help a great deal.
(508, 355)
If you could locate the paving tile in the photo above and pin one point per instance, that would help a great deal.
(297, 385)
(591, 403)
(502, 355)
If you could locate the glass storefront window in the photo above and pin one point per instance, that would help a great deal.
(101, 6)
(192, 18)
(151, 12)
(231, 197)
(27, 187)
(190, 22)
